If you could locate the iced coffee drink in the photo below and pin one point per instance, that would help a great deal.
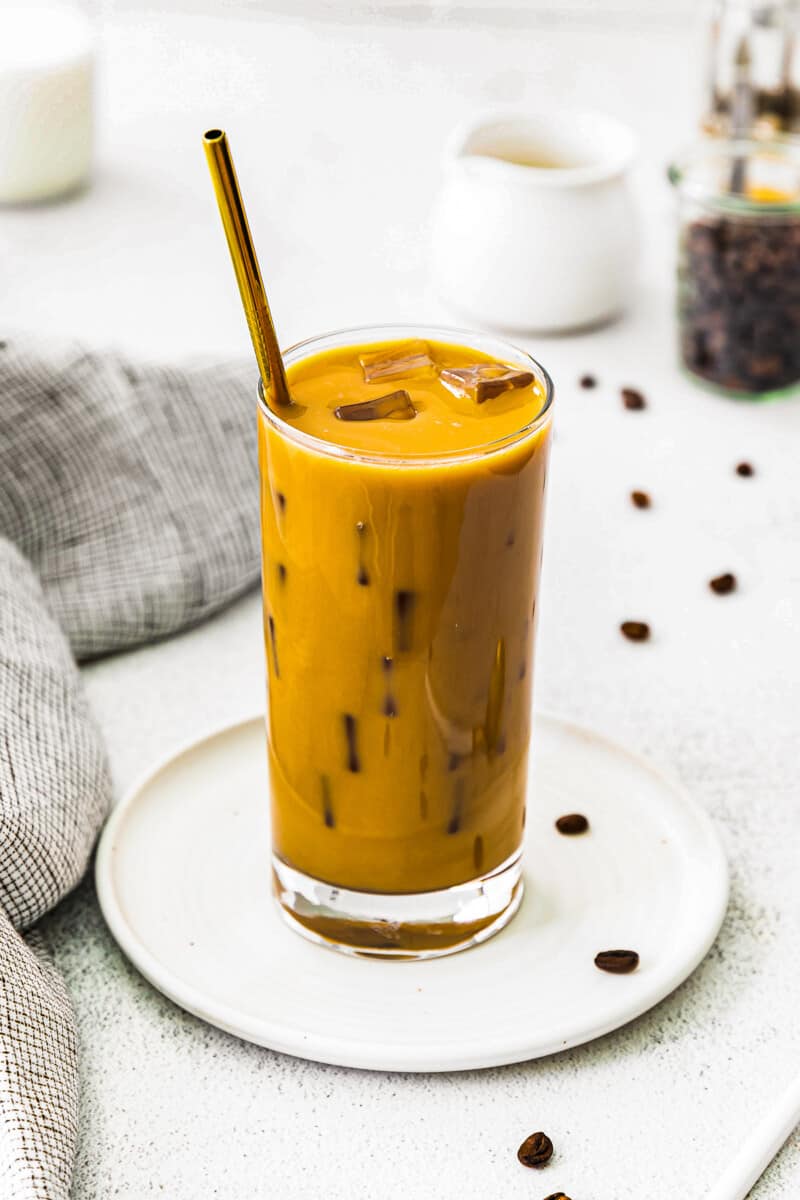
(402, 496)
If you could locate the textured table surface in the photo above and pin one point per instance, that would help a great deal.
(325, 122)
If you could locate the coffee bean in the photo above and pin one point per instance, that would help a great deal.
(745, 469)
(536, 1150)
(723, 584)
(635, 631)
(588, 381)
(640, 499)
(572, 823)
(617, 962)
(556, 1196)
(633, 399)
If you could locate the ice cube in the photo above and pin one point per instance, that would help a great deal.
(404, 360)
(484, 380)
(396, 406)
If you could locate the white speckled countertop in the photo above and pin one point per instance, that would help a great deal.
(324, 121)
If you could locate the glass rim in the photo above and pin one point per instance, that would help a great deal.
(784, 147)
(465, 337)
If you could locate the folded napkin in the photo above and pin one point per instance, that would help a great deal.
(128, 511)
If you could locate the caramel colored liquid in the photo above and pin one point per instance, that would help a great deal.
(399, 609)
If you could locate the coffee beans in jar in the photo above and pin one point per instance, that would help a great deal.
(739, 267)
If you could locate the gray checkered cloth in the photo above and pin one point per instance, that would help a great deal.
(128, 510)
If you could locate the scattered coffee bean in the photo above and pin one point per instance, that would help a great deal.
(633, 399)
(723, 584)
(572, 823)
(557, 1196)
(617, 962)
(745, 469)
(640, 499)
(588, 381)
(536, 1150)
(635, 631)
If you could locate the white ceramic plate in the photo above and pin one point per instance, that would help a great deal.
(183, 878)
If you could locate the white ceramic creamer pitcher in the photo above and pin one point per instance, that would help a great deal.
(535, 226)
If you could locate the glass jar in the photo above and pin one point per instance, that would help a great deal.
(753, 74)
(739, 265)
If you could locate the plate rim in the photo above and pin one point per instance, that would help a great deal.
(388, 1056)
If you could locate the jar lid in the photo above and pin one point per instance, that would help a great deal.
(755, 177)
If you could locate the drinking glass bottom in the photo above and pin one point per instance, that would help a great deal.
(410, 926)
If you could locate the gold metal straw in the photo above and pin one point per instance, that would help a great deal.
(245, 264)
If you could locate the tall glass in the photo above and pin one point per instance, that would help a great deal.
(399, 618)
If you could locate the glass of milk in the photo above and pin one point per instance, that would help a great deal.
(47, 54)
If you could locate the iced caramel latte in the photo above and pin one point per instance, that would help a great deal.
(402, 497)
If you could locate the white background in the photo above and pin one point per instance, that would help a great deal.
(338, 128)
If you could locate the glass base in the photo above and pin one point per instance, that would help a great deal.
(410, 926)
